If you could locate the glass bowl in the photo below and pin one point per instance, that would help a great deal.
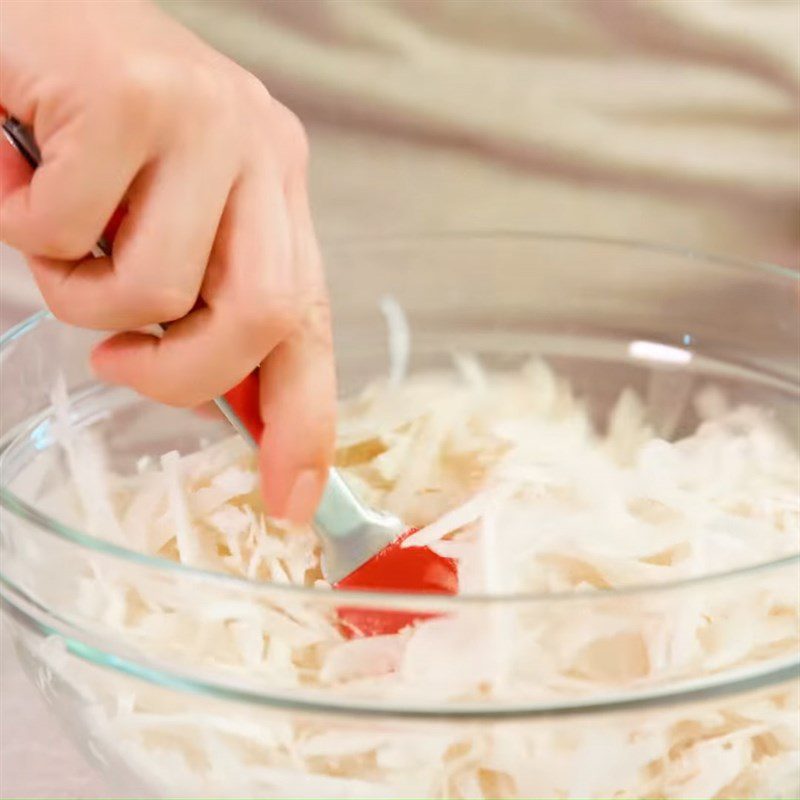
(133, 650)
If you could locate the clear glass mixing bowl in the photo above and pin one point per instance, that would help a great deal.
(175, 716)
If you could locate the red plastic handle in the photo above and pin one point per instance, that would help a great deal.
(243, 399)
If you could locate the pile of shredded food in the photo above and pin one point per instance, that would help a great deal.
(505, 473)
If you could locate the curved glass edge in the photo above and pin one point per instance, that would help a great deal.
(361, 597)
(698, 691)
(20, 508)
(23, 327)
(565, 237)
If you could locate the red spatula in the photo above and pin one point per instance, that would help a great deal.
(361, 547)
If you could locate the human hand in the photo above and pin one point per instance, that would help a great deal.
(130, 108)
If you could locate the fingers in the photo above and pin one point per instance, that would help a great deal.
(159, 257)
(263, 303)
(197, 359)
(61, 212)
(251, 307)
(298, 405)
(298, 392)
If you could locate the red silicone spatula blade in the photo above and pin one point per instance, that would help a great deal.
(395, 569)
(392, 569)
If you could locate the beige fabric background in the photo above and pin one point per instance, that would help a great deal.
(673, 121)
(669, 120)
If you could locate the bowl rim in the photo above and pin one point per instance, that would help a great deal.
(99, 651)
(453, 235)
(20, 508)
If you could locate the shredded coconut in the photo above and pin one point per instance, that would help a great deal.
(506, 473)
(399, 339)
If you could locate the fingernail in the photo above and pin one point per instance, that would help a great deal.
(304, 496)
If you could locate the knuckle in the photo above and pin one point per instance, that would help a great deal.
(159, 303)
(136, 95)
(255, 92)
(319, 322)
(63, 240)
(270, 315)
(134, 88)
(167, 303)
(210, 94)
(282, 314)
(296, 137)
(149, 93)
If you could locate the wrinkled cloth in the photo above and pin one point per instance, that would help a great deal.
(668, 120)
(671, 121)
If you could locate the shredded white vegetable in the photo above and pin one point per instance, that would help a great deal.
(507, 474)
(399, 339)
